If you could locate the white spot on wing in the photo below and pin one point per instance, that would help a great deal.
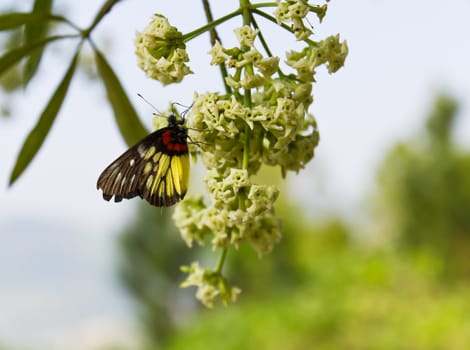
(141, 149)
(132, 162)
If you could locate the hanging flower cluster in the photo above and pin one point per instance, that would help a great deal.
(240, 211)
(161, 51)
(261, 119)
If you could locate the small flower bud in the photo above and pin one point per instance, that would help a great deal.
(246, 35)
(210, 284)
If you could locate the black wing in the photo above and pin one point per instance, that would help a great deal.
(124, 177)
(147, 170)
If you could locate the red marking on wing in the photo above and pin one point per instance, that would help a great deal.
(173, 146)
(179, 147)
(166, 138)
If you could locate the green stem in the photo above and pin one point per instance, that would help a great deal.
(107, 6)
(221, 261)
(215, 37)
(213, 32)
(245, 5)
(261, 36)
(282, 25)
(246, 142)
(224, 73)
(244, 8)
(264, 43)
(245, 148)
(209, 26)
(264, 4)
(272, 19)
(64, 20)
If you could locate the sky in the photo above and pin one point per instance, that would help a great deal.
(58, 277)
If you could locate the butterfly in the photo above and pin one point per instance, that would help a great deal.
(155, 169)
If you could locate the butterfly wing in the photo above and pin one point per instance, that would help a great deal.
(150, 170)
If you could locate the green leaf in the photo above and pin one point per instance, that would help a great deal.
(37, 136)
(130, 126)
(15, 19)
(14, 56)
(36, 31)
(105, 8)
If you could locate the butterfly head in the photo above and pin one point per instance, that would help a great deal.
(174, 122)
(178, 133)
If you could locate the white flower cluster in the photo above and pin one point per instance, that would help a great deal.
(240, 211)
(262, 119)
(161, 52)
(210, 284)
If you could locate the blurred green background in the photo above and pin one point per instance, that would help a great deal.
(398, 280)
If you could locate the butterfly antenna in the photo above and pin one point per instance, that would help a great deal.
(187, 108)
(310, 24)
(157, 112)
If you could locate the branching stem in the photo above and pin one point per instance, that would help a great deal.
(215, 37)
(201, 30)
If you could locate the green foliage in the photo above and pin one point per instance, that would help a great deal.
(344, 297)
(425, 190)
(36, 31)
(150, 258)
(441, 121)
(9, 21)
(127, 120)
(12, 57)
(11, 79)
(36, 137)
(151, 253)
(35, 40)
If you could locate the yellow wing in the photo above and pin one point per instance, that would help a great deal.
(167, 179)
(149, 171)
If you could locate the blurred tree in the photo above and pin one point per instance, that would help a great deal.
(149, 268)
(343, 296)
(150, 261)
(424, 191)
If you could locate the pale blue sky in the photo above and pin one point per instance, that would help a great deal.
(58, 236)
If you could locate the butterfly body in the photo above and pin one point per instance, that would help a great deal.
(155, 169)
